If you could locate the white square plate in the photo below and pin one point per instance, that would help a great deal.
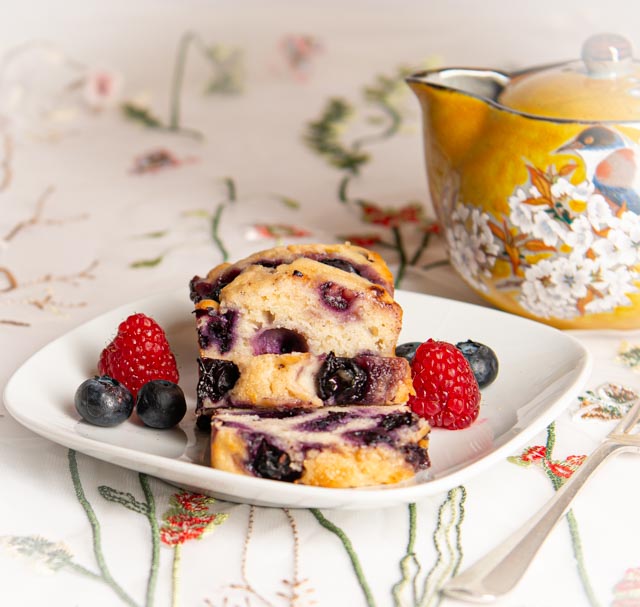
(541, 371)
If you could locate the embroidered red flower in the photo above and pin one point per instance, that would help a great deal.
(192, 502)
(390, 217)
(188, 518)
(362, 240)
(538, 454)
(432, 227)
(564, 469)
(534, 454)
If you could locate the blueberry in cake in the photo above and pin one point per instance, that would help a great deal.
(353, 446)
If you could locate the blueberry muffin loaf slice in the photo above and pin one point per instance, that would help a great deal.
(347, 446)
(302, 306)
(291, 327)
(302, 380)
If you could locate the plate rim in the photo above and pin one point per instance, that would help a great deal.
(322, 497)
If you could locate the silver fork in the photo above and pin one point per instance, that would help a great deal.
(501, 569)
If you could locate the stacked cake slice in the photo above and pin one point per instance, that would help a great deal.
(298, 369)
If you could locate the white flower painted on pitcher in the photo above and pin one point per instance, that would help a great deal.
(472, 246)
(569, 251)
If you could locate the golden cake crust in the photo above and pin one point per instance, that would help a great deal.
(372, 264)
(355, 467)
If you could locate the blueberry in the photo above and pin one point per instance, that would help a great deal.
(203, 422)
(408, 350)
(330, 421)
(341, 379)
(396, 420)
(103, 401)
(216, 378)
(201, 288)
(340, 264)
(161, 404)
(336, 296)
(269, 263)
(216, 328)
(271, 462)
(483, 361)
(369, 437)
(279, 341)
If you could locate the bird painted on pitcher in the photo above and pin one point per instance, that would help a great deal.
(612, 165)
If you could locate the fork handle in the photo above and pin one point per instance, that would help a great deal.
(500, 570)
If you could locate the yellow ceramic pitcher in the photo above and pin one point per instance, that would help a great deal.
(535, 178)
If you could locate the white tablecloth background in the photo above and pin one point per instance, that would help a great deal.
(72, 262)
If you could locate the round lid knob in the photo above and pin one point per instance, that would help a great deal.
(604, 85)
(607, 56)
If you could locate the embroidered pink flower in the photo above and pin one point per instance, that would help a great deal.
(155, 160)
(299, 51)
(627, 590)
(102, 89)
(277, 230)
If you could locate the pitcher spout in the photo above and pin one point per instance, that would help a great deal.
(482, 84)
(455, 104)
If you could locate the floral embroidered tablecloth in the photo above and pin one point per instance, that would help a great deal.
(142, 143)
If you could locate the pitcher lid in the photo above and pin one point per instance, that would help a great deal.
(603, 85)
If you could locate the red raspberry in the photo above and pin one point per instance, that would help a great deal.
(138, 354)
(447, 393)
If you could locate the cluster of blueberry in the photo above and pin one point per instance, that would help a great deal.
(137, 370)
(104, 401)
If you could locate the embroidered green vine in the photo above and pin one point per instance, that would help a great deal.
(449, 523)
(558, 471)
(54, 556)
(155, 537)
(629, 355)
(326, 135)
(232, 196)
(227, 77)
(576, 541)
(105, 574)
(215, 231)
(408, 561)
(448, 545)
(348, 546)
